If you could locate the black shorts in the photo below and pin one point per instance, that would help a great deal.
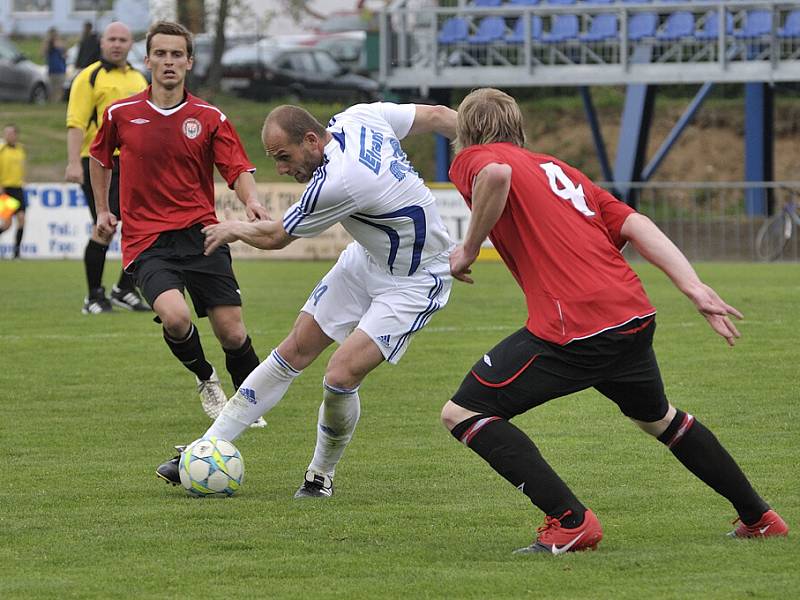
(18, 194)
(176, 262)
(113, 192)
(524, 371)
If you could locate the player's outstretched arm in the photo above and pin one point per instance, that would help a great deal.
(267, 235)
(434, 119)
(659, 250)
(489, 196)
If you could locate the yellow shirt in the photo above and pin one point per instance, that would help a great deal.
(12, 165)
(93, 89)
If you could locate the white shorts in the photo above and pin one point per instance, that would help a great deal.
(357, 293)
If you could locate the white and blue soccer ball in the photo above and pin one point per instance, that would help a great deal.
(211, 467)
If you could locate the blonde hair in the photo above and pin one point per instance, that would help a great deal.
(487, 116)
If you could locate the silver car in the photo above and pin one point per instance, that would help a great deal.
(20, 79)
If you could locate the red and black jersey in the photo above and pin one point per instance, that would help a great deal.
(560, 236)
(167, 159)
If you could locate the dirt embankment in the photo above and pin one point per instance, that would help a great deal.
(711, 148)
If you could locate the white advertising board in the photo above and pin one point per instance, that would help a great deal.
(58, 223)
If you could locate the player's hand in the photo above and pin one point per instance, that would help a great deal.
(717, 312)
(106, 224)
(256, 212)
(460, 263)
(74, 173)
(219, 234)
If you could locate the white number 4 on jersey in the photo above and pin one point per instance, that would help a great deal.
(567, 191)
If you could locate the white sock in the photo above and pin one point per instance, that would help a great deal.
(338, 416)
(262, 390)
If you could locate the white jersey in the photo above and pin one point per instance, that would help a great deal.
(368, 185)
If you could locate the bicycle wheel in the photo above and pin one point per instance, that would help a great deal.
(773, 236)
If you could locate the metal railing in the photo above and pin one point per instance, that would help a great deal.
(714, 221)
(419, 50)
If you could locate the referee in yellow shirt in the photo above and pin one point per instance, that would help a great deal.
(12, 176)
(93, 89)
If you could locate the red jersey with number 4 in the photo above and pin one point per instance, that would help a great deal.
(560, 236)
(167, 159)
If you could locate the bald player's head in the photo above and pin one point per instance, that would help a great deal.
(295, 140)
(116, 43)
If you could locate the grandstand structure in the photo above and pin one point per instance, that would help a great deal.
(585, 43)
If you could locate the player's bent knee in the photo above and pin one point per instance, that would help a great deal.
(342, 378)
(656, 428)
(453, 414)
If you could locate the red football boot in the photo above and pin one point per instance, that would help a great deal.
(769, 525)
(555, 539)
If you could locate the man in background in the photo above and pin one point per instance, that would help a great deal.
(12, 179)
(89, 48)
(93, 90)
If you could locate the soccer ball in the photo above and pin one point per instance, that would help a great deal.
(211, 467)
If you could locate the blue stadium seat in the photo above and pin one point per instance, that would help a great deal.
(490, 29)
(678, 25)
(562, 28)
(642, 25)
(523, 2)
(637, 1)
(454, 30)
(560, 1)
(602, 27)
(791, 27)
(518, 35)
(710, 28)
(487, 3)
(599, 1)
(756, 24)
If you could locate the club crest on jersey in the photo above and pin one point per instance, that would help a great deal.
(191, 128)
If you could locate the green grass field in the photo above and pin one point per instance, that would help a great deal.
(90, 405)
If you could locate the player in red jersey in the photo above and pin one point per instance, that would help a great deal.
(169, 142)
(590, 323)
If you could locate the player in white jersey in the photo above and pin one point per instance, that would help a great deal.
(386, 284)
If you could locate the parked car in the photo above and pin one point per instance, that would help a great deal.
(265, 70)
(348, 48)
(21, 79)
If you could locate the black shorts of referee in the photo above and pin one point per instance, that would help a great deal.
(18, 194)
(113, 192)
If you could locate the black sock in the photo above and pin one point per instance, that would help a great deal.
(94, 259)
(18, 242)
(190, 352)
(514, 456)
(240, 362)
(126, 282)
(700, 452)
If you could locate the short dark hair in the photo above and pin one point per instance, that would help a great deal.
(170, 28)
(294, 121)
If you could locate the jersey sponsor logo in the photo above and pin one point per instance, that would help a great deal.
(487, 360)
(249, 394)
(191, 128)
(369, 153)
(140, 121)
